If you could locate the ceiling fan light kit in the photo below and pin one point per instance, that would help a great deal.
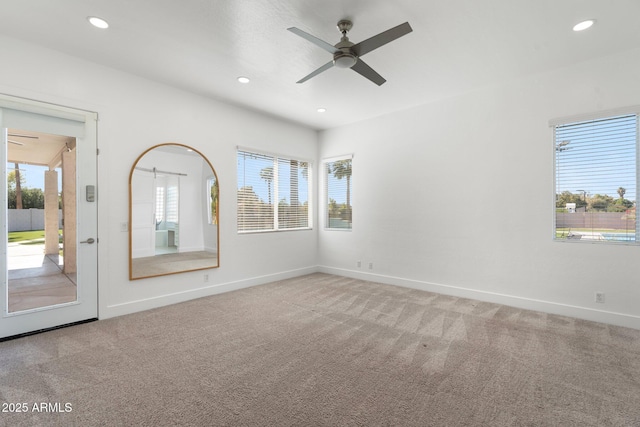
(344, 60)
(347, 54)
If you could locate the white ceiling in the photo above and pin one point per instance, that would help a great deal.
(37, 148)
(203, 45)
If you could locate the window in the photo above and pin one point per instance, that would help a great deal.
(172, 203)
(273, 193)
(212, 199)
(337, 179)
(159, 204)
(596, 179)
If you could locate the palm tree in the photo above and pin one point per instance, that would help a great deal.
(267, 175)
(18, 187)
(342, 169)
(621, 192)
(296, 166)
(214, 200)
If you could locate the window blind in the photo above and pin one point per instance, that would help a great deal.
(255, 192)
(293, 197)
(596, 178)
(273, 192)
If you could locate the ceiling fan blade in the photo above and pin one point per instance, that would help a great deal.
(381, 39)
(313, 39)
(363, 69)
(325, 67)
(15, 142)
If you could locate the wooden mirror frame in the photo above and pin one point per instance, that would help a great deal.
(216, 264)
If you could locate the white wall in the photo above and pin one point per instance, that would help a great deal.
(457, 197)
(135, 114)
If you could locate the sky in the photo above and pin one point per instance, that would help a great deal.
(33, 176)
(250, 168)
(597, 157)
(249, 174)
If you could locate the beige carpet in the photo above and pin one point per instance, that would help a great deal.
(323, 350)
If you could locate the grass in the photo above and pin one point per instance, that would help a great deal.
(35, 237)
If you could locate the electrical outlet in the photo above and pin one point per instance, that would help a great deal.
(124, 227)
(370, 266)
(359, 264)
(600, 297)
(206, 278)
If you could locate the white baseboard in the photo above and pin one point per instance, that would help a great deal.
(218, 288)
(584, 313)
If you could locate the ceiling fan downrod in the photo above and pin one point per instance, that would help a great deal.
(344, 58)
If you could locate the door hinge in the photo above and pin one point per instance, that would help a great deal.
(97, 151)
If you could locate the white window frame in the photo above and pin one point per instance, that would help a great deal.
(602, 115)
(276, 157)
(325, 192)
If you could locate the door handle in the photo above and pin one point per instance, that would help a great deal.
(90, 240)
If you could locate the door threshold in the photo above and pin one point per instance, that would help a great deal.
(39, 331)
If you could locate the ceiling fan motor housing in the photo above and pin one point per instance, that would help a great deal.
(344, 56)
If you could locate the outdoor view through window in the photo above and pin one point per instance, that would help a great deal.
(596, 177)
(338, 190)
(273, 193)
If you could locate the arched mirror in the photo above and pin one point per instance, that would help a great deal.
(173, 212)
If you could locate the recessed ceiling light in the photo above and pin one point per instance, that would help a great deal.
(98, 22)
(242, 79)
(581, 26)
(322, 110)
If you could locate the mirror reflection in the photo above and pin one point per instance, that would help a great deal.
(173, 212)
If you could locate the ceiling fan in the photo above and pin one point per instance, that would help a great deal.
(20, 136)
(347, 54)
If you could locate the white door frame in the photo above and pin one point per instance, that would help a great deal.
(34, 115)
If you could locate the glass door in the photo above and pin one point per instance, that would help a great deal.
(49, 230)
